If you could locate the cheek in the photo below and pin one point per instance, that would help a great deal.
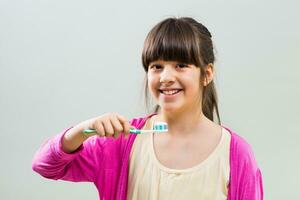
(192, 84)
(152, 85)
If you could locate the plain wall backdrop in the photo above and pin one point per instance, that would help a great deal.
(62, 62)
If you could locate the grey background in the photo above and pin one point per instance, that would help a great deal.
(62, 62)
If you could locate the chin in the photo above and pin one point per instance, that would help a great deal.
(170, 108)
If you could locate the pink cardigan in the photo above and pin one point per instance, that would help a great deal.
(105, 161)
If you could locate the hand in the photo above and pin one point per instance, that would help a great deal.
(108, 125)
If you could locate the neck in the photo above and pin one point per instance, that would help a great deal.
(184, 122)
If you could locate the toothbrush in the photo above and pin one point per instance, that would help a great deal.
(159, 127)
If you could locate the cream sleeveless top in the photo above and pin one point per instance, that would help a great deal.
(149, 179)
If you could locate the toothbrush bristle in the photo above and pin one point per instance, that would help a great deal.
(161, 126)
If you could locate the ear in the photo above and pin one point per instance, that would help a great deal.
(208, 74)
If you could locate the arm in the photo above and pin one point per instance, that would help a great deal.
(245, 175)
(51, 160)
(253, 187)
(74, 156)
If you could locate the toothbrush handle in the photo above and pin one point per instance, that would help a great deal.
(89, 131)
(134, 131)
(137, 131)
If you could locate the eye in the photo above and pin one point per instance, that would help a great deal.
(155, 67)
(182, 65)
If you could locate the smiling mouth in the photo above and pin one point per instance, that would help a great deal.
(170, 92)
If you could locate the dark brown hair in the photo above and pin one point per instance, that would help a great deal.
(183, 40)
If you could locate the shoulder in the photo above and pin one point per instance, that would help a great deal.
(245, 175)
(241, 152)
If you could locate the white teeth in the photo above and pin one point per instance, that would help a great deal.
(170, 92)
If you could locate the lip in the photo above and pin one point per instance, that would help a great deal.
(168, 89)
(168, 97)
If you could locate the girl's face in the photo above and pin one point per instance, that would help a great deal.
(174, 85)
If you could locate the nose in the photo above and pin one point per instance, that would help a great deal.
(167, 75)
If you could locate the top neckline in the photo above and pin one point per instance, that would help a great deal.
(196, 167)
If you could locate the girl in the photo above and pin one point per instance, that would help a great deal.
(196, 159)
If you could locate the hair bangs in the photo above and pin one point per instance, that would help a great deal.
(171, 41)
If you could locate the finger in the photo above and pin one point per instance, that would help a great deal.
(117, 126)
(108, 129)
(99, 129)
(126, 125)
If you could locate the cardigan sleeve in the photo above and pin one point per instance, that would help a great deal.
(253, 188)
(245, 176)
(52, 162)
